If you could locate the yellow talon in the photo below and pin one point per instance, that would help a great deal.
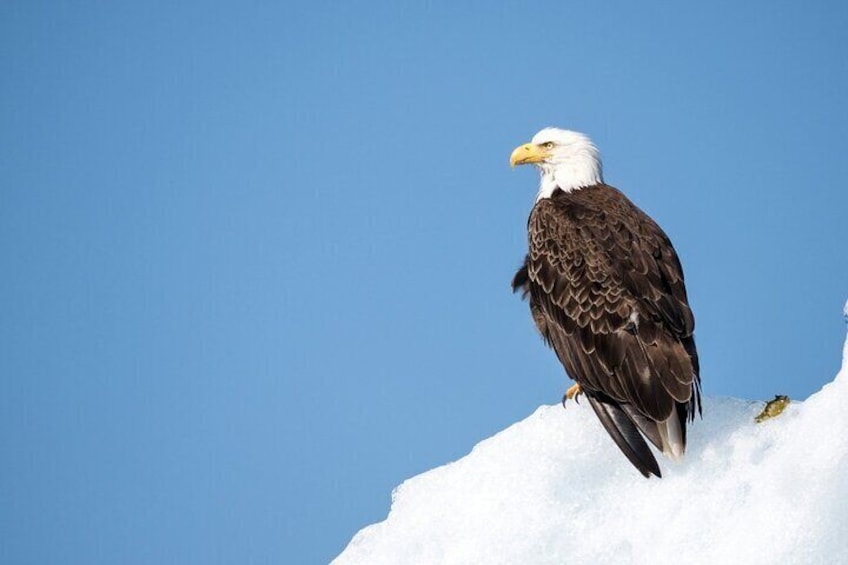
(573, 392)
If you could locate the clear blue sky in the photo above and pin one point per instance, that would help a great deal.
(256, 256)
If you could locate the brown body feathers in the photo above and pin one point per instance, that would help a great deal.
(606, 292)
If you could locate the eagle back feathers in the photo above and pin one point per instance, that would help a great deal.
(607, 293)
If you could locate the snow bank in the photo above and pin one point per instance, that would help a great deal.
(554, 489)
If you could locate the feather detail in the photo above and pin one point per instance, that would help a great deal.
(607, 293)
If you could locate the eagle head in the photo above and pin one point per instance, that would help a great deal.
(567, 160)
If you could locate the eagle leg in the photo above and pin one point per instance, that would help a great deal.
(574, 391)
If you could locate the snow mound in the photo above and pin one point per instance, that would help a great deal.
(553, 488)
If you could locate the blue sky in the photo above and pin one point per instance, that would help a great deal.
(257, 256)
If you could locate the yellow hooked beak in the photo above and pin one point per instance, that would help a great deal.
(528, 153)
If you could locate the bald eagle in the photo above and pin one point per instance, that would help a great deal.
(606, 291)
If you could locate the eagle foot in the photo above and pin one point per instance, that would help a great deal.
(574, 392)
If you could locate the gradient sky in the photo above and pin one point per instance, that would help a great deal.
(256, 256)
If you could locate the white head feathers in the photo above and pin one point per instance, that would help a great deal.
(572, 161)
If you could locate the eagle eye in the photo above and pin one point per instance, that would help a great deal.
(548, 145)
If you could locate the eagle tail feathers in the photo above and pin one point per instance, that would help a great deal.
(648, 427)
(673, 434)
(626, 436)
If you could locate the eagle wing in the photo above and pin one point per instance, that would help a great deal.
(607, 293)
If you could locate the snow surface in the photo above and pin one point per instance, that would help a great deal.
(553, 488)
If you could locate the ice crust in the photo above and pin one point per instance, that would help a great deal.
(553, 488)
